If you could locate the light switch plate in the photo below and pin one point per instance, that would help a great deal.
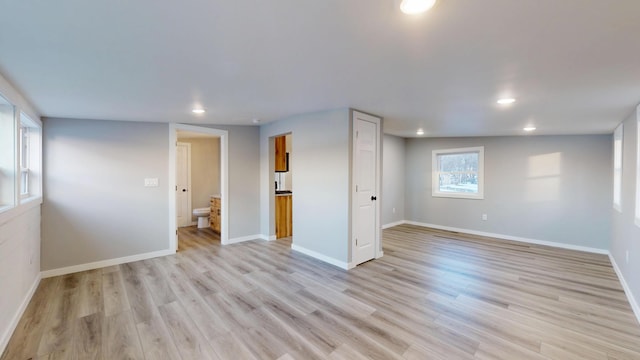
(151, 182)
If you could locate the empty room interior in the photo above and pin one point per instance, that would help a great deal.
(362, 179)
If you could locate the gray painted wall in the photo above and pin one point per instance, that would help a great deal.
(393, 179)
(550, 188)
(205, 170)
(321, 173)
(625, 234)
(95, 205)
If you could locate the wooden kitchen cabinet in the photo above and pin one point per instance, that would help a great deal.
(214, 217)
(284, 219)
(281, 154)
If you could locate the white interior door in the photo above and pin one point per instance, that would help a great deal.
(365, 168)
(183, 184)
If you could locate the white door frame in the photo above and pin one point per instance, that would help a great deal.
(188, 147)
(224, 180)
(377, 243)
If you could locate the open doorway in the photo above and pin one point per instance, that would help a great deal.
(198, 175)
(283, 185)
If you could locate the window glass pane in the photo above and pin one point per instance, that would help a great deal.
(7, 155)
(24, 160)
(458, 173)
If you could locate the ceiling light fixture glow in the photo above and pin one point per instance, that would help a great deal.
(198, 111)
(420, 132)
(413, 7)
(506, 101)
(529, 128)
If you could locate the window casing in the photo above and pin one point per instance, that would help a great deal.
(617, 168)
(29, 158)
(637, 219)
(458, 173)
(20, 160)
(8, 186)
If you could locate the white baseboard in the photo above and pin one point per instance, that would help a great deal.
(513, 238)
(321, 257)
(267, 237)
(386, 226)
(4, 340)
(242, 239)
(105, 263)
(379, 254)
(627, 290)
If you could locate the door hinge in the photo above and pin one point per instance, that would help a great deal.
(356, 241)
(176, 231)
(176, 187)
(357, 133)
(356, 188)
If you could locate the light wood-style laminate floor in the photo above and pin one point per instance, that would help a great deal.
(434, 295)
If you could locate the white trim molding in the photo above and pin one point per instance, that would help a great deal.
(105, 263)
(224, 179)
(242, 239)
(513, 238)
(627, 290)
(396, 223)
(268, 237)
(4, 340)
(321, 257)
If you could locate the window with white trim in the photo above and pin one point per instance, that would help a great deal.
(7, 155)
(617, 168)
(29, 156)
(458, 173)
(637, 221)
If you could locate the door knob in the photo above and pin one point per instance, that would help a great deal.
(184, 190)
(374, 198)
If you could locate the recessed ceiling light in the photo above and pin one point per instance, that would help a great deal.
(506, 101)
(198, 111)
(529, 128)
(412, 7)
(420, 132)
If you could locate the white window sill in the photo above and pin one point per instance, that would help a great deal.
(25, 205)
(458, 196)
(30, 199)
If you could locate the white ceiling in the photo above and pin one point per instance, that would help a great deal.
(573, 65)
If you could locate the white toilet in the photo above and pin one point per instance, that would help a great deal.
(203, 217)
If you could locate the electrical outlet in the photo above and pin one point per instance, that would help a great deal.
(393, 210)
(627, 256)
(485, 217)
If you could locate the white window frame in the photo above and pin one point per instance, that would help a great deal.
(618, 144)
(435, 171)
(29, 158)
(8, 162)
(637, 217)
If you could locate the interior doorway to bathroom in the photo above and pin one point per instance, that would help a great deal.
(198, 167)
